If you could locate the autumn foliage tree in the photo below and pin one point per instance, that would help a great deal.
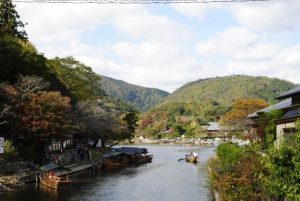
(42, 114)
(237, 116)
(47, 114)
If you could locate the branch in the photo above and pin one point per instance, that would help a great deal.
(6, 111)
(114, 144)
(30, 84)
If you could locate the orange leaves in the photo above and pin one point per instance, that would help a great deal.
(241, 109)
(46, 113)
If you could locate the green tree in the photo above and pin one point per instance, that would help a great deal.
(9, 21)
(78, 78)
(131, 120)
(283, 162)
(266, 127)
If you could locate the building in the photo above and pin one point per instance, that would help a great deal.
(290, 105)
(286, 125)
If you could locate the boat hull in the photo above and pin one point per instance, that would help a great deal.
(140, 159)
(55, 183)
(192, 159)
(114, 165)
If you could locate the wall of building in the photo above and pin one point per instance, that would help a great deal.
(280, 130)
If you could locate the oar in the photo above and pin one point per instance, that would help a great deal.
(182, 158)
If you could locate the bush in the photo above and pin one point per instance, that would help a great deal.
(229, 154)
(283, 176)
(10, 153)
(235, 173)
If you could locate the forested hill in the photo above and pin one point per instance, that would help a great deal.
(205, 100)
(224, 90)
(140, 97)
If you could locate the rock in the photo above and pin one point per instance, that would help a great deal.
(10, 183)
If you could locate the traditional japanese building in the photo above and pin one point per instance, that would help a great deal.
(290, 105)
(285, 126)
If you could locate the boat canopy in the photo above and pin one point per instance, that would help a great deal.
(131, 150)
(53, 166)
(111, 154)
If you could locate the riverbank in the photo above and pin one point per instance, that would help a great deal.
(17, 182)
(10, 183)
(191, 141)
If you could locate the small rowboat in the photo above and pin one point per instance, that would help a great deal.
(191, 159)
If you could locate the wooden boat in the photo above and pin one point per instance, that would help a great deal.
(191, 159)
(55, 182)
(114, 160)
(50, 180)
(141, 158)
(110, 164)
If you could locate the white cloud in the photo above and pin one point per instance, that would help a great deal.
(274, 16)
(248, 53)
(232, 38)
(197, 11)
(59, 30)
(154, 49)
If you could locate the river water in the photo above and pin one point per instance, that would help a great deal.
(165, 179)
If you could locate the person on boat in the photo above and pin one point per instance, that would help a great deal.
(194, 155)
(51, 174)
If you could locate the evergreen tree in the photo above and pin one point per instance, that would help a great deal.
(9, 21)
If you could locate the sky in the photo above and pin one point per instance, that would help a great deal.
(165, 46)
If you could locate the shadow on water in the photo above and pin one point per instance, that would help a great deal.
(164, 179)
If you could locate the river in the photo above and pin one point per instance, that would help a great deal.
(165, 179)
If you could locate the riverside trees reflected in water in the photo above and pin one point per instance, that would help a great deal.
(164, 179)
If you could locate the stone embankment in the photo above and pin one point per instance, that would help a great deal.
(10, 183)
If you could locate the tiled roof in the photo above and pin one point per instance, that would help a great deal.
(277, 106)
(213, 126)
(290, 93)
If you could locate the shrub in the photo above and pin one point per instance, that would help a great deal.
(235, 173)
(10, 152)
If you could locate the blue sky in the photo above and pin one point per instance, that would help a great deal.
(166, 46)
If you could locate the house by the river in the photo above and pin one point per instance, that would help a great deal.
(290, 105)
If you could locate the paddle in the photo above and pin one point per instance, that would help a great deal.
(182, 158)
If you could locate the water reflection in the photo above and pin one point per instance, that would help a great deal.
(164, 179)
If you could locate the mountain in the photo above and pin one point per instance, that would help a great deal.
(224, 90)
(198, 102)
(141, 98)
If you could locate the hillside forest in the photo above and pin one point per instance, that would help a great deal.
(45, 99)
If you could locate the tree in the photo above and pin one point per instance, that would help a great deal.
(266, 127)
(78, 78)
(47, 115)
(96, 121)
(283, 163)
(9, 21)
(237, 116)
(131, 121)
(28, 85)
